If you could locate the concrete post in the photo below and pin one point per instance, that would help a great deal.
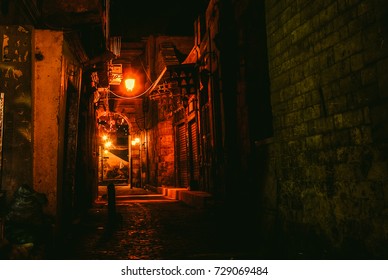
(111, 204)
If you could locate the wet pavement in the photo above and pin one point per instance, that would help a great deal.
(150, 226)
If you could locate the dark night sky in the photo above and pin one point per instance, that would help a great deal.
(135, 19)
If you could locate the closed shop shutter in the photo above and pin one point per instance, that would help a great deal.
(194, 158)
(183, 174)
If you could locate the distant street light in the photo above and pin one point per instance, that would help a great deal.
(108, 144)
(135, 141)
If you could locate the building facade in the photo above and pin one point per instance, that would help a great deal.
(291, 123)
(44, 57)
(277, 109)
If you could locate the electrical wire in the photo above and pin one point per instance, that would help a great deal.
(151, 87)
(145, 71)
(130, 97)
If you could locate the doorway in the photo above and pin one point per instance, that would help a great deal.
(114, 149)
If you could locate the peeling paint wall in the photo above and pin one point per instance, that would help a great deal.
(15, 83)
(48, 95)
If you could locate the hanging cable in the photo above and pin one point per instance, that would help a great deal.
(151, 88)
(129, 97)
(145, 71)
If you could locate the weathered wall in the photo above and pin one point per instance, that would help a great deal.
(328, 63)
(159, 115)
(161, 154)
(47, 98)
(15, 122)
(166, 154)
(57, 82)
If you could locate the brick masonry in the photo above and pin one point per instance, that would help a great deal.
(162, 156)
(163, 51)
(328, 62)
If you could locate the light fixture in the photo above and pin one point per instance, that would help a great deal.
(129, 84)
(129, 79)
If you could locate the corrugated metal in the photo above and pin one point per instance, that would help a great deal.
(183, 172)
(206, 176)
(194, 159)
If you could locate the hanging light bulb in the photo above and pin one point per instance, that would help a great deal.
(129, 81)
(129, 84)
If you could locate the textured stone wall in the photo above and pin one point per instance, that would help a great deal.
(159, 116)
(47, 111)
(328, 65)
(166, 154)
(161, 155)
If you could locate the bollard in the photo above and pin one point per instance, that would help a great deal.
(111, 204)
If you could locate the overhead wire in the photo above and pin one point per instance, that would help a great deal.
(150, 88)
(145, 71)
(130, 97)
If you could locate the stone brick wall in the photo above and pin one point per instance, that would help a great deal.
(166, 154)
(160, 125)
(161, 155)
(328, 62)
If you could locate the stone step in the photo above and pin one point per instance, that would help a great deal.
(198, 199)
(139, 197)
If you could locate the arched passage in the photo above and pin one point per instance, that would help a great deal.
(114, 142)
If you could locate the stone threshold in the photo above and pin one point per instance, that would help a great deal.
(197, 199)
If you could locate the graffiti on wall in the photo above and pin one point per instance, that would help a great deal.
(15, 86)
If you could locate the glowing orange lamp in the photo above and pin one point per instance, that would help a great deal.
(129, 84)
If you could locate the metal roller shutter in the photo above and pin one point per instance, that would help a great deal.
(194, 158)
(183, 172)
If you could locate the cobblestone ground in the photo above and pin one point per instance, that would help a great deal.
(154, 229)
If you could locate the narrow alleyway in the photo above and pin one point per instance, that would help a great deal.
(151, 226)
